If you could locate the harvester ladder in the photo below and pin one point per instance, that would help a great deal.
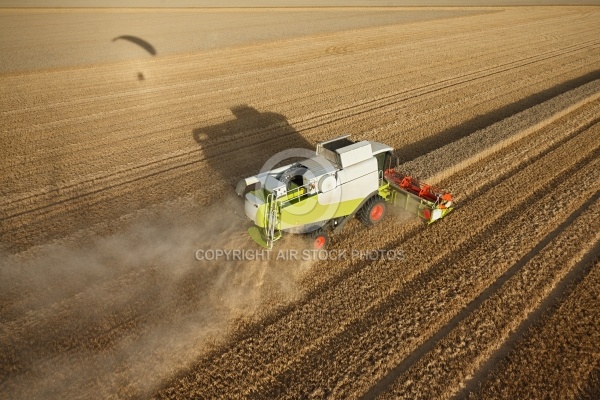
(271, 221)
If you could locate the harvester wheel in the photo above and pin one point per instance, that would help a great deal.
(373, 211)
(320, 239)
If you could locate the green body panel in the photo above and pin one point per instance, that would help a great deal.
(309, 210)
(415, 204)
(260, 215)
(385, 191)
(296, 210)
(257, 235)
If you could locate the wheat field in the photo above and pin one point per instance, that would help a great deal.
(124, 131)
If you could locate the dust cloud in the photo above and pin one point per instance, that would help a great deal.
(118, 315)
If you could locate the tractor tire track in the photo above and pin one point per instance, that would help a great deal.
(376, 323)
(370, 105)
(323, 287)
(378, 277)
(577, 273)
(353, 268)
(123, 331)
(357, 109)
(331, 275)
(146, 171)
(345, 308)
(448, 343)
(575, 300)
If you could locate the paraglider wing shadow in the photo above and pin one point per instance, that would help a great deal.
(140, 42)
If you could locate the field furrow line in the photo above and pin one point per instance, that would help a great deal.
(111, 182)
(471, 182)
(413, 229)
(177, 96)
(466, 184)
(392, 99)
(380, 279)
(125, 317)
(156, 111)
(166, 161)
(473, 148)
(148, 169)
(412, 312)
(241, 69)
(229, 57)
(462, 345)
(185, 175)
(538, 144)
(579, 264)
(167, 97)
(563, 342)
(116, 171)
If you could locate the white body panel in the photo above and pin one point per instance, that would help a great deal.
(377, 148)
(358, 180)
(262, 177)
(251, 206)
(355, 153)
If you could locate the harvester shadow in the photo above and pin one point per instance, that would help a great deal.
(238, 148)
(430, 143)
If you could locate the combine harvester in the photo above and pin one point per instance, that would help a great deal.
(320, 194)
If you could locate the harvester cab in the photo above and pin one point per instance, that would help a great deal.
(320, 194)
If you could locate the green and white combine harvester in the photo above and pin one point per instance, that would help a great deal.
(317, 196)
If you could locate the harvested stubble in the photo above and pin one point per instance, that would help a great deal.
(128, 178)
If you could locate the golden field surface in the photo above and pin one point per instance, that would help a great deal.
(120, 159)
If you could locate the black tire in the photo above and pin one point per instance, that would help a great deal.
(319, 239)
(373, 211)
